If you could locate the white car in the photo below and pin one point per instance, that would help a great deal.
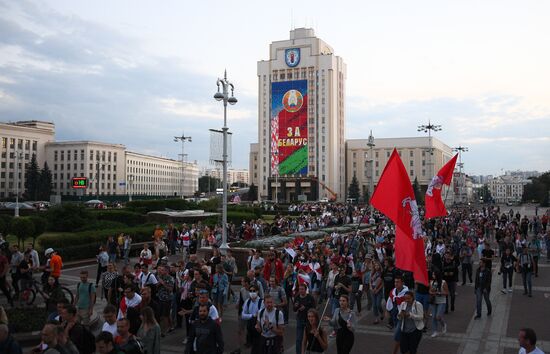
(324, 200)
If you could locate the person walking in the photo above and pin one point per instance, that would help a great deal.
(526, 266)
(411, 316)
(315, 337)
(206, 335)
(483, 288)
(149, 332)
(376, 289)
(302, 304)
(438, 293)
(85, 298)
(527, 339)
(220, 288)
(508, 263)
(345, 321)
(271, 326)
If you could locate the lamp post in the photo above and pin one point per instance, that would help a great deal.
(371, 145)
(18, 157)
(427, 128)
(183, 139)
(460, 150)
(97, 179)
(224, 96)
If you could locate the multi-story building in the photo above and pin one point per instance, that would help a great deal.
(300, 120)
(253, 164)
(233, 175)
(507, 189)
(102, 163)
(18, 142)
(414, 152)
(151, 175)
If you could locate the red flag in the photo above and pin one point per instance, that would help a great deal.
(394, 197)
(434, 203)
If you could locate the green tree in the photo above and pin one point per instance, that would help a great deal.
(418, 195)
(208, 184)
(5, 224)
(45, 183)
(68, 217)
(252, 192)
(22, 228)
(32, 179)
(485, 193)
(538, 190)
(39, 227)
(353, 190)
(366, 196)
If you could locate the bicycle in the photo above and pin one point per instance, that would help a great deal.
(28, 294)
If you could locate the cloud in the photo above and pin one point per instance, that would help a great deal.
(193, 109)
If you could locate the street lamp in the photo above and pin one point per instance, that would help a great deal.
(183, 139)
(427, 128)
(224, 96)
(371, 145)
(460, 150)
(97, 179)
(18, 157)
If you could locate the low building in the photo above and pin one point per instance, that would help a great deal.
(507, 188)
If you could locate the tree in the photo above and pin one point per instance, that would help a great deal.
(22, 228)
(45, 183)
(32, 179)
(418, 195)
(252, 192)
(208, 184)
(485, 194)
(538, 190)
(39, 227)
(67, 217)
(353, 190)
(5, 221)
(366, 195)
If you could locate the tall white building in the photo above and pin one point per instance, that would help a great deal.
(300, 120)
(23, 138)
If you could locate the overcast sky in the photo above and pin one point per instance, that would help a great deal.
(139, 72)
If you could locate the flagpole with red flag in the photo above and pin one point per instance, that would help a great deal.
(394, 197)
(434, 203)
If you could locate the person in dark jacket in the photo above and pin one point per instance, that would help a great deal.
(450, 275)
(8, 344)
(206, 335)
(483, 288)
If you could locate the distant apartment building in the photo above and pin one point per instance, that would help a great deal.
(505, 189)
(18, 142)
(233, 175)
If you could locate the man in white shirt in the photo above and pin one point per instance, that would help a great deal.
(146, 277)
(271, 325)
(130, 299)
(527, 341)
(109, 315)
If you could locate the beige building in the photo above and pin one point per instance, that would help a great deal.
(253, 164)
(233, 175)
(300, 120)
(414, 152)
(26, 138)
(102, 163)
(507, 188)
(151, 175)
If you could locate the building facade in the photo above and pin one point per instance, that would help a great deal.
(233, 175)
(18, 142)
(507, 189)
(365, 164)
(301, 120)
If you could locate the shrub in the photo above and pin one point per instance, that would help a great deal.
(102, 225)
(129, 218)
(39, 227)
(5, 224)
(22, 228)
(67, 217)
(145, 206)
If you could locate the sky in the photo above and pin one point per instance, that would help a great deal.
(139, 72)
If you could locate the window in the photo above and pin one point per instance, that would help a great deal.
(387, 154)
(376, 154)
(4, 143)
(20, 144)
(82, 155)
(411, 172)
(68, 156)
(55, 155)
(34, 145)
(75, 155)
(27, 144)
(12, 143)
(411, 163)
(62, 155)
(411, 153)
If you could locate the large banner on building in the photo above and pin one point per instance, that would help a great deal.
(289, 154)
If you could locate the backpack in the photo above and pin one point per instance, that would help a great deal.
(86, 340)
(277, 312)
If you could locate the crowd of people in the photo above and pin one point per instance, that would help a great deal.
(323, 284)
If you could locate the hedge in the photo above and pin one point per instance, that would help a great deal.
(129, 218)
(95, 237)
(145, 206)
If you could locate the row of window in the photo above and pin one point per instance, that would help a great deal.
(60, 155)
(27, 144)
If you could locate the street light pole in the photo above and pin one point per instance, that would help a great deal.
(371, 145)
(183, 139)
(460, 150)
(18, 156)
(428, 129)
(219, 96)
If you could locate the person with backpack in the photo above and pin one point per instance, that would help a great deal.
(206, 335)
(82, 338)
(303, 302)
(526, 266)
(250, 310)
(85, 298)
(270, 324)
